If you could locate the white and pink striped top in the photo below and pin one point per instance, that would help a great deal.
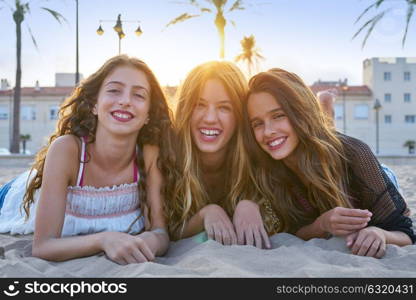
(88, 209)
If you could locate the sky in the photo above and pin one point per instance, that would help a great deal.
(312, 38)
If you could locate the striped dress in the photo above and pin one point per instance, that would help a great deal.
(88, 209)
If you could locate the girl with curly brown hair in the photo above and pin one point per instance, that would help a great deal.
(98, 183)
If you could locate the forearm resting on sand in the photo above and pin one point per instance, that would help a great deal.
(60, 249)
(118, 246)
(397, 238)
(311, 231)
(158, 241)
(192, 227)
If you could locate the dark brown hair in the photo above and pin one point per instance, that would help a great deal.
(319, 154)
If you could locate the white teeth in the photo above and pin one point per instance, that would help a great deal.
(276, 142)
(121, 116)
(209, 132)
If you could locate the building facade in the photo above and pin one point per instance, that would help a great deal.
(393, 83)
(38, 114)
(357, 102)
(382, 111)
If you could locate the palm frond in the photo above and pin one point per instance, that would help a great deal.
(181, 18)
(240, 57)
(237, 5)
(206, 9)
(32, 37)
(26, 8)
(410, 10)
(250, 54)
(55, 14)
(370, 23)
(375, 4)
(374, 22)
(194, 3)
(258, 55)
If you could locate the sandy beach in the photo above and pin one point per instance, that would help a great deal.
(289, 256)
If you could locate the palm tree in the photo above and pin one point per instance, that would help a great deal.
(24, 138)
(19, 11)
(250, 54)
(219, 11)
(371, 23)
(411, 144)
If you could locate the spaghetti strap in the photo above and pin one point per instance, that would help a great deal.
(82, 162)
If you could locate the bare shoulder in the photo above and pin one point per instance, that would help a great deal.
(67, 145)
(63, 153)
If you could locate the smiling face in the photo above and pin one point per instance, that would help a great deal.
(213, 121)
(123, 101)
(271, 127)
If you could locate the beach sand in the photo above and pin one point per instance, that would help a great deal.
(289, 256)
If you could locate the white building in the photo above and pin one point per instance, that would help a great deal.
(66, 79)
(359, 114)
(38, 114)
(393, 82)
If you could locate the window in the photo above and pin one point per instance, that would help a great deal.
(53, 112)
(406, 76)
(410, 118)
(406, 97)
(361, 111)
(338, 109)
(387, 119)
(28, 113)
(387, 97)
(387, 76)
(4, 112)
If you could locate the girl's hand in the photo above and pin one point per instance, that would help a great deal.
(341, 221)
(249, 225)
(370, 241)
(124, 248)
(218, 225)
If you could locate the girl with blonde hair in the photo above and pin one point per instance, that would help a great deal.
(213, 176)
(102, 170)
(319, 182)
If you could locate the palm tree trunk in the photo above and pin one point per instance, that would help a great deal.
(220, 23)
(14, 147)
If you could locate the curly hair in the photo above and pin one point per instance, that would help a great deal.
(76, 118)
(320, 154)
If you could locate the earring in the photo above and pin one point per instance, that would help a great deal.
(147, 121)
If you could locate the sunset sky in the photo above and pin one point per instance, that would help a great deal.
(309, 37)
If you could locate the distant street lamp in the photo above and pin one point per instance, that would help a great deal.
(76, 48)
(344, 89)
(377, 106)
(118, 28)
